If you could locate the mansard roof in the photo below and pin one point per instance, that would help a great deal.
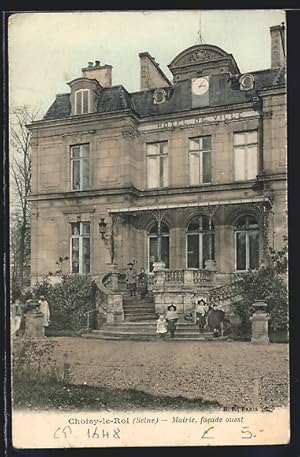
(116, 98)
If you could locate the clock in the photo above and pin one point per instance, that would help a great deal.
(200, 86)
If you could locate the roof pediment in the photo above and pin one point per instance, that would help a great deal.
(198, 53)
(202, 59)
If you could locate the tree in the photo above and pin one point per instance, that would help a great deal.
(20, 169)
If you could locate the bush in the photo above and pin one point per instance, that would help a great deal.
(69, 300)
(268, 284)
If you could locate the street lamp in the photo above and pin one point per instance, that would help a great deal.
(108, 240)
(102, 228)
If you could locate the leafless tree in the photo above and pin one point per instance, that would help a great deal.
(20, 169)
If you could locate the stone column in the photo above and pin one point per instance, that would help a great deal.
(34, 320)
(112, 267)
(260, 323)
(115, 312)
(210, 265)
(188, 277)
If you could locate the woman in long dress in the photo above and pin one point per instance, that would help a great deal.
(44, 308)
(142, 283)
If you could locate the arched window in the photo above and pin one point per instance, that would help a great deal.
(152, 245)
(247, 243)
(200, 242)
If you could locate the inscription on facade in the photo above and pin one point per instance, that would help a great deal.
(199, 120)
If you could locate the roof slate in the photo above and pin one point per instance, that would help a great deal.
(117, 98)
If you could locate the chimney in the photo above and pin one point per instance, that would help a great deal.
(152, 77)
(103, 74)
(277, 46)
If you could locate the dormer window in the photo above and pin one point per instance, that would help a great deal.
(82, 101)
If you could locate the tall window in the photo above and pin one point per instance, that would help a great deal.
(245, 155)
(157, 165)
(80, 166)
(80, 247)
(247, 243)
(200, 242)
(82, 101)
(200, 160)
(152, 245)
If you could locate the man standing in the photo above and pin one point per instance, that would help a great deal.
(44, 308)
(131, 279)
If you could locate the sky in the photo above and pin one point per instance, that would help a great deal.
(47, 50)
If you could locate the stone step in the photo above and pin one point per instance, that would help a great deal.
(150, 321)
(150, 329)
(138, 306)
(134, 317)
(141, 312)
(147, 330)
(99, 334)
(129, 298)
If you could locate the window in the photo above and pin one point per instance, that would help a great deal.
(245, 155)
(152, 245)
(247, 243)
(200, 160)
(200, 242)
(82, 101)
(80, 167)
(80, 247)
(157, 165)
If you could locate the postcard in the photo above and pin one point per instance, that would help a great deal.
(148, 228)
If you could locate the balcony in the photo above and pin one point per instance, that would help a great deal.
(183, 279)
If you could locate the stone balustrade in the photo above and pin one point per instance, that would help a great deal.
(182, 287)
(188, 277)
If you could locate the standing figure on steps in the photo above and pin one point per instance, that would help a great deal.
(172, 318)
(201, 310)
(142, 283)
(161, 326)
(131, 279)
(216, 321)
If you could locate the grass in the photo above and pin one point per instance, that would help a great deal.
(55, 395)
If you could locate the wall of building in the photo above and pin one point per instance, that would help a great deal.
(118, 157)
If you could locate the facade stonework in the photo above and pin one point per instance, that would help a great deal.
(195, 179)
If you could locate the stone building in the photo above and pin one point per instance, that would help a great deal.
(186, 178)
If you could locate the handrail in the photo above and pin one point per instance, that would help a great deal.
(87, 313)
(100, 284)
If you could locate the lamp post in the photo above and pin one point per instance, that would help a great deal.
(108, 241)
(102, 227)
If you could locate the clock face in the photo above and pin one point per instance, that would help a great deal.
(200, 86)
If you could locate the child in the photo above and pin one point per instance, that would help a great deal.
(172, 318)
(162, 326)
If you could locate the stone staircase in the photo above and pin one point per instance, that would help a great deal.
(145, 330)
(140, 324)
(137, 309)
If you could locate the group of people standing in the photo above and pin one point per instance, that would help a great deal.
(167, 323)
(136, 282)
(18, 314)
(206, 316)
(210, 317)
